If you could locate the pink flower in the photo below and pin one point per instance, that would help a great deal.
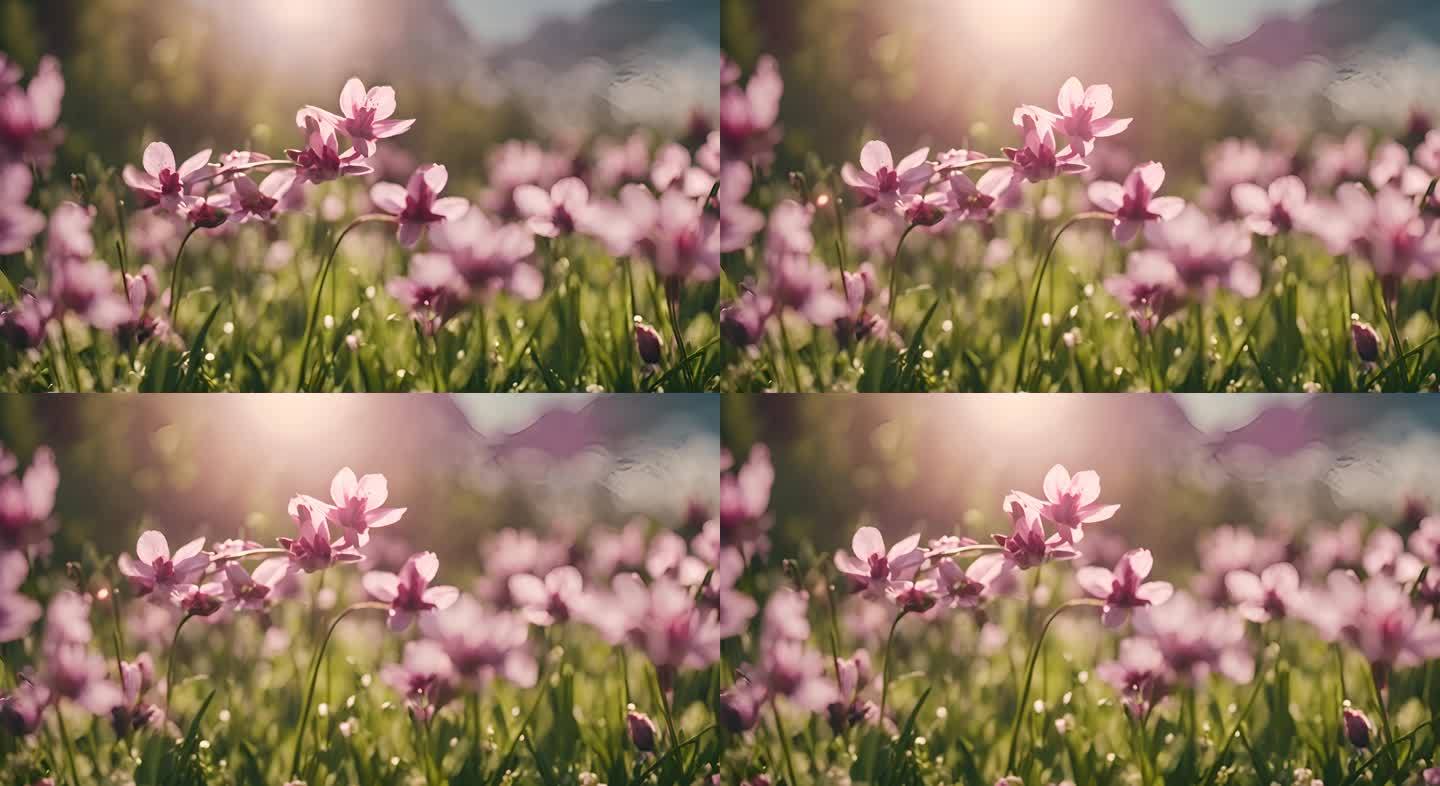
(852, 709)
(320, 160)
(163, 184)
(1140, 674)
(745, 497)
(871, 567)
(313, 550)
(557, 212)
(1425, 541)
(17, 612)
(1125, 588)
(1377, 617)
(254, 592)
(434, 292)
(883, 184)
(675, 232)
(251, 202)
(803, 284)
(1270, 595)
(1150, 287)
(425, 677)
(136, 679)
(358, 505)
(489, 256)
(200, 600)
(742, 322)
(1085, 114)
(1039, 160)
(1274, 210)
(664, 620)
(19, 223)
(69, 239)
(972, 201)
(1390, 232)
(482, 645)
(913, 596)
(70, 670)
(1358, 729)
(739, 222)
(1070, 502)
(551, 600)
(365, 115)
(1206, 255)
(28, 134)
(23, 322)
(156, 569)
(748, 114)
(968, 587)
(1027, 546)
(409, 593)
(21, 712)
(1134, 204)
(26, 501)
(142, 291)
(87, 290)
(1196, 641)
(416, 205)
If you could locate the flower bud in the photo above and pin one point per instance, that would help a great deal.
(1367, 341)
(642, 731)
(738, 711)
(1357, 727)
(647, 341)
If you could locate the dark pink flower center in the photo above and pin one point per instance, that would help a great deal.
(887, 179)
(879, 566)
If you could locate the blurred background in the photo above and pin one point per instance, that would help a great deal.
(949, 72)
(466, 467)
(1181, 466)
(200, 73)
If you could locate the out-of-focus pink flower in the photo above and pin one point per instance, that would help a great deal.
(1150, 287)
(22, 710)
(28, 134)
(1391, 234)
(1027, 546)
(788, 667)
(1197, 641)
(1376, 617)
(914, 596)
(320, 160)
(1235, 161)
(19, 223)
(883, 184)
(1270, 595)
(200, 600)
(664, 620)
(22, 323)
(133, 712)
(979, 201)
(142, 290)
(1274, 210)
(745, 497)
(862, 288)
(313, 549)
(482, 645)
(648, 343)
(417, 205)
(1140, 674)
(559, 211)
(26, 502)
(1124, 588)
(433, 291)
(365, 115)
(739, 222)
(747, 115)
(852, 709)
(1385, 555)
(425, 677)
(1205, 254)
(1425, 541)
(1357, 727)
(87, 290)
(490, 257)
(742, 322)
(1071, 501)
(679, 237)
(872, 568)
(163, 184)
(642, 730)
(1085, 114)
(739, 708)
(1134, 204)
(1038, 159)
(156, 570)
(550, 600)
(17, 612)
(70, 670)
(69, 239)
(1366, 340)
(1343, 161)
(409, 593)
(254, 591)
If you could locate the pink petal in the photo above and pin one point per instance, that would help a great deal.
(1167, 207)
(452, 208)
(1152, 175)
(867, 542)
(189, 549)
(382, 586)
(383, 517)
(194, 163)
(441, 597)
(152, 546)
(1155, 592)
(1095, 580)
(1250, 198)
(374, 489)
(1141, 562)
(385, 129)
(532, 200)
(426, 565)
(382, 99)
(1100, 99)
(388, 197)
(409, 233)
(352, 97)
(1244, 586)
(1110, 126)
(1057, 481)
(847, 563)
(158, 158)
(903, 548)
(342, 486)
(1106, 195)
(913, 160)
(436, 176)
(528, 590)
(570, 190)
(1072, 93)
(875, 155)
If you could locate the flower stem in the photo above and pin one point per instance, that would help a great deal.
(69, 748)
(170, 664)
(1030, 675)
(784, 742)
(315, 673)
(1034, 304)
(176, 272)
(885, 668)
(314, 316)
(895, 272)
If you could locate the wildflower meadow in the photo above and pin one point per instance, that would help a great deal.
(346, 649)
(1047, 254)
(1031, 644)
(339, 264)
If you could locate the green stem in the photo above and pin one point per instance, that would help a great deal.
(314, 674)
(895, 273)
(1230, 735)
(885, 667)
(1030, 675)
(785, 741)
(69, 748)
(314, 316)
(176, 277)
(1034, 303)
(170, 664)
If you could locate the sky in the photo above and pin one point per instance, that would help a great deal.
(512, 20)
(1223, 21)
